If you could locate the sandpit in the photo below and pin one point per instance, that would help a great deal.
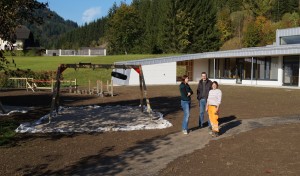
(96, 119)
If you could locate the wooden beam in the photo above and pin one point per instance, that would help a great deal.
(142, 95)
(149, 110)
(2, 108)
(94, 66)
(55, 95)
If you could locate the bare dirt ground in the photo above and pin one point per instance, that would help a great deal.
(69, 154)
(264, 151)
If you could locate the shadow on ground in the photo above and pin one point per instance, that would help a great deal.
(103, 163)
(227, 123)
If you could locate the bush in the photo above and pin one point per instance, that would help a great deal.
(31, 52)
(7, 132)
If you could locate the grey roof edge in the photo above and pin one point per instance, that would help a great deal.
(283, 32)
(272, 50)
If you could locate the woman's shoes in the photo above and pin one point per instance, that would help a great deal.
(184, 131)
(215, 134)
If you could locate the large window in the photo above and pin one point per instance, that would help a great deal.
(264, 68)
(224, 68)
(274, 68)
(247, 68)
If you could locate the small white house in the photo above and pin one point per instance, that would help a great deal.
(273, 65)
(22, 34)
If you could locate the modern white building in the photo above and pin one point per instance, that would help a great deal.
(273, 65)
(86, 51)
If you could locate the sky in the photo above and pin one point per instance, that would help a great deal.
(82, 11)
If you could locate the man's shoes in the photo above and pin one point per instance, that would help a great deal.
(184, 131)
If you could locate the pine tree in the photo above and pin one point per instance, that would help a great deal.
(252, 36)
(205, 35)
(125, 32)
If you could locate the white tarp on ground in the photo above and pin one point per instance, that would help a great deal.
(14, 109)
(96, 119)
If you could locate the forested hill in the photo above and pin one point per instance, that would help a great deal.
(53, 28)
(185, 26)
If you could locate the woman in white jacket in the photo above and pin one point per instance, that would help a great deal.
(212, 107)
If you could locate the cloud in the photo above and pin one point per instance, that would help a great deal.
(91, 14)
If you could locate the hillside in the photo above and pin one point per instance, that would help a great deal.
(184, 26)
(53, 28)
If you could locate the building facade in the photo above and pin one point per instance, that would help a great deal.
(24, 39)
(273, 65)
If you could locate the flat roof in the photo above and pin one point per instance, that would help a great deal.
(290, 35)
(271, 50)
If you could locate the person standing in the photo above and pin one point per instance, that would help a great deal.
(213, 106)
(185, 92)
(204, 87)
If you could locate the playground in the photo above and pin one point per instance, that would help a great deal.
(270, 147)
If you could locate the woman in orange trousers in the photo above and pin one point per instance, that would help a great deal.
(212, 107)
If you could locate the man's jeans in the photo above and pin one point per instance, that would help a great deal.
(186, 110)
(202, 105)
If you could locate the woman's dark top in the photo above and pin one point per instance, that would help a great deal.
(184, 90)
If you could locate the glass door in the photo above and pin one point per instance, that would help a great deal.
(291, 70)
(239, 70)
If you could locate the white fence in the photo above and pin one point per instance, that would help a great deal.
(85, 52)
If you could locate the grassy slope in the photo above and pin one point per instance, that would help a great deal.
(82, 75)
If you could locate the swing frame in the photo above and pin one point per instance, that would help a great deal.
(56, 92)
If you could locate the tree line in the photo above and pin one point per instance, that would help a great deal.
(184, 26)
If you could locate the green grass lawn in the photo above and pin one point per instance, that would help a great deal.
(7, 131)
(49, 63)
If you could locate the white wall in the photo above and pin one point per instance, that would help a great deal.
(280, 71)
(225, 81)
(299, 73)
(157, 74)
(19, 45)
(200, 66)
(268, 83)
(2, 44)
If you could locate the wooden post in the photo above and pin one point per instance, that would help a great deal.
(112, 88)
(75, 85)
(55, 95)
(26, 81)
(141, 89)
(2, 108)
(107, 88)
(101, 88)
(145, 90)
(89, 86)
(52, 84)
(97, 87)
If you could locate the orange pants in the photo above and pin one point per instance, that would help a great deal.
(213, 118)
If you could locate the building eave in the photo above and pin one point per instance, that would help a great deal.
(239, 53)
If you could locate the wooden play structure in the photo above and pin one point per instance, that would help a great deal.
(71, 86)
(34, 85)
(99, 89)
(138, 68)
